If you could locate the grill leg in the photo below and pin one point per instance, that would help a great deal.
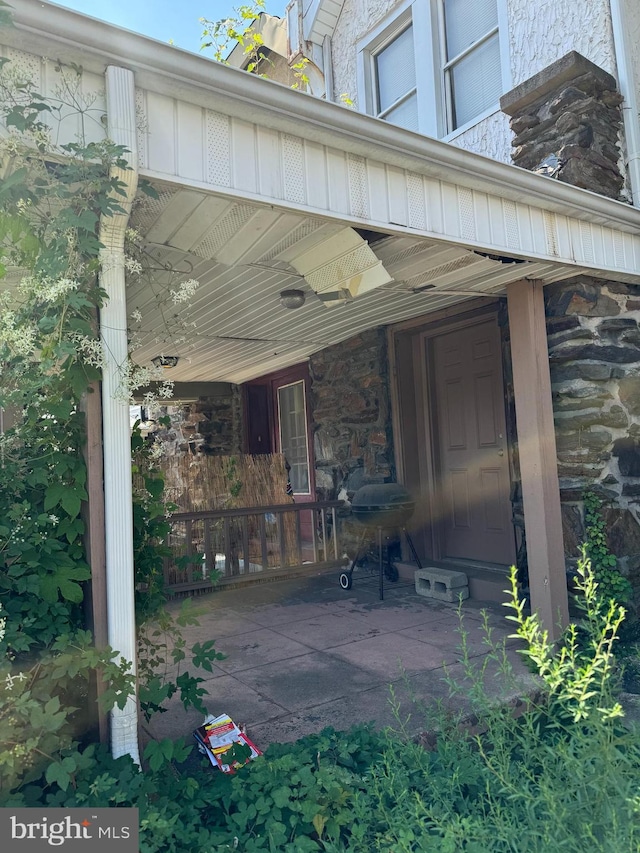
(381, 559)
(412, 547)
(346, 578)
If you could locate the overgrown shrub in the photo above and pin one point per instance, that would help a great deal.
(560, 776)
(52, 200)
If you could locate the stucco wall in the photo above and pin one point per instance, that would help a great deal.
(539, 33)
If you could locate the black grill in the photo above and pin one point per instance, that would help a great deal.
(382, 505)
(385, 506)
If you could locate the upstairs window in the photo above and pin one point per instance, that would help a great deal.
(394, 69)
(471, 59)
(435, 66)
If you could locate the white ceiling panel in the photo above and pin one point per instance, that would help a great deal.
(234, 327)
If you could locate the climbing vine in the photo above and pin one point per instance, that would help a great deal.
(53, 196)
(222, 36)
(612, 584)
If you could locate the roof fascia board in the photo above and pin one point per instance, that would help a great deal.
(310, 25)
(51, 30)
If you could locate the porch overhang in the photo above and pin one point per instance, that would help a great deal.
(249, 172)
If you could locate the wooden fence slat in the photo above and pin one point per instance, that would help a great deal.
(263, 543)
(194, 532)
(314, 537)
(323, 528)
(209, 563)
(228, 569)
(283, 544)
(188, 533)
(299, 537)
(246, 562)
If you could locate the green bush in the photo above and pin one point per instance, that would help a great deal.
(52, 200)
(560, 776)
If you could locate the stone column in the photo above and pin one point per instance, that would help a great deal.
(572, 110)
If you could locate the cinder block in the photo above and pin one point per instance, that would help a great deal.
(441, 584)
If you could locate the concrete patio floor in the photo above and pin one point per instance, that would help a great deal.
(303, 654)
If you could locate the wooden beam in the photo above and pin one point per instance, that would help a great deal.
(537, 453)
(188, 392)
(93, 516)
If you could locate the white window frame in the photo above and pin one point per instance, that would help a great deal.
(279, 388)
(434, 104)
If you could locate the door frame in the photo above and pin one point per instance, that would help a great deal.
(414, 398)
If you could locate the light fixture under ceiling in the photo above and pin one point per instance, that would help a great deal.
(292, 298)
(167, 362)
(341, 267)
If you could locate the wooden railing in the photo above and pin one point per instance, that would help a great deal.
(229, 544)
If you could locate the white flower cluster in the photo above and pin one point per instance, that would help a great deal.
(132, 265)
(185, 291)
(11, 146)
(48, 290)
(134, 376)
(20, 340)
(90, 349)
(136, 315)
(11, 679)
(42, 137)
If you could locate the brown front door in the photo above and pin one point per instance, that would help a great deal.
(471, 461)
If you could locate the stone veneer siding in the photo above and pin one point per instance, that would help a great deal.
(594, 353)
(572, 109)
(211, 425)
(351, 414)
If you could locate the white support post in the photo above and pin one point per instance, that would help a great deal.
(115, 404)
(537, 454)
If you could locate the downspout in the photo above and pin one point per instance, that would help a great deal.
(121, 126)
(627, 90)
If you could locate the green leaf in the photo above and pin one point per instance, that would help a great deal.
(53, 495)
(71, 503)
(64, 582)
(56, 773)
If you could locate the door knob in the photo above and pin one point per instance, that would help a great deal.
(501, 453)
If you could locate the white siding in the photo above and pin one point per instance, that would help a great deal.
(243, 160)
(61, 87)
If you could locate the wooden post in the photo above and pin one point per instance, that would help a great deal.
(537, 453)
(93, 516)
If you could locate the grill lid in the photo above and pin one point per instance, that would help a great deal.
(382, 504)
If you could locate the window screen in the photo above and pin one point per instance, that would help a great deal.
(395, 80)
(473, 73)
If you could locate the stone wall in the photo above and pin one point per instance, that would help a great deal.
(594, 353)
(210, 424)
(351, 414)
(571, 110)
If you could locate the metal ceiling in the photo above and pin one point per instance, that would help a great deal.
(234, 327)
